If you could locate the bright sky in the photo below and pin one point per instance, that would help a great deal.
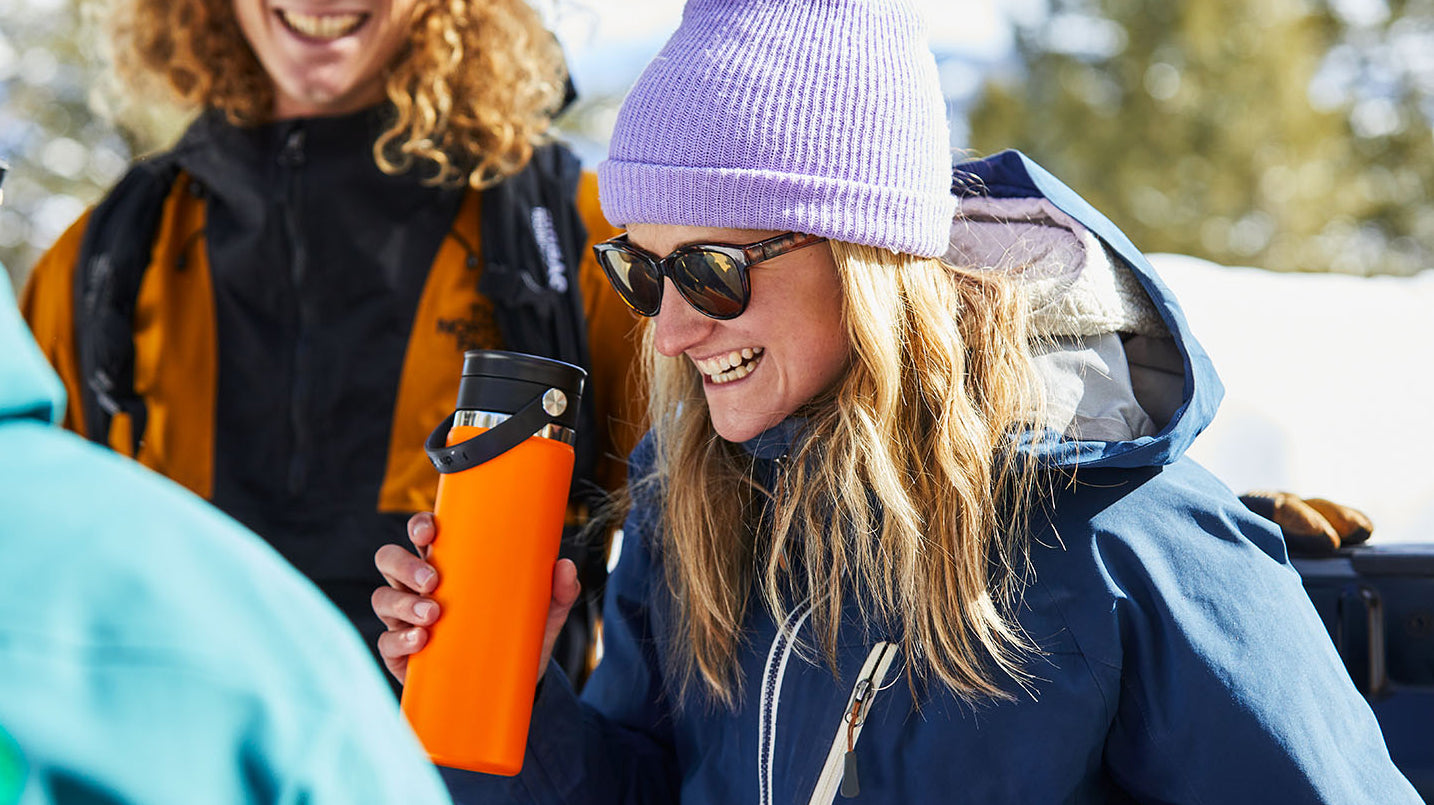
(609, 41)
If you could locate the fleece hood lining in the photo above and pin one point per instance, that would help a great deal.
(1086, 304)
(1073, 285)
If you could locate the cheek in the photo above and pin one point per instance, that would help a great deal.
(827, 354)
(818, 347)
(248, 17)
(831, 347)
(399, 25)
(390, 41)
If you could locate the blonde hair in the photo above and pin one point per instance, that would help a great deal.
(906, 489)
(473, 90)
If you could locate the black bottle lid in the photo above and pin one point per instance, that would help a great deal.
(504, 382)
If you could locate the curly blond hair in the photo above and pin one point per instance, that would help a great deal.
(472, 92)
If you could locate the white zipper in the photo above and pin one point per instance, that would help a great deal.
(777, 656)
(853, 718)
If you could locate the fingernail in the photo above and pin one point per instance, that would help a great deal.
(424, 576)
(425, 610)
(411, 636)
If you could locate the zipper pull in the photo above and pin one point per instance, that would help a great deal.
(850, 786)
(292, 154)
(850, 783)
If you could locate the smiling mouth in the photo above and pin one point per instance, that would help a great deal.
(733, 366)
(324, 27)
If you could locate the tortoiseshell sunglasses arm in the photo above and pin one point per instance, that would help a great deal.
(779, 245)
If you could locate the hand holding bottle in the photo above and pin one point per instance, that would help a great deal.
(405, 609)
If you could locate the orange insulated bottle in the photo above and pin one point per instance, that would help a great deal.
(505, 459)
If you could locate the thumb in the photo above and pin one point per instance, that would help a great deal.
(565, 594)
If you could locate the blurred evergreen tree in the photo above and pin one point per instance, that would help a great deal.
(56, 125)
(1245, 133)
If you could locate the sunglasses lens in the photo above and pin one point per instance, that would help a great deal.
(712, 282)
(635, 279)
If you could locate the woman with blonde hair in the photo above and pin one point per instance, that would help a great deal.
(274, 312)
(912, 523)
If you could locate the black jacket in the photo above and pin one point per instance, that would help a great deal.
(340, 300)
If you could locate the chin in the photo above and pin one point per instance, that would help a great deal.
(741, 429)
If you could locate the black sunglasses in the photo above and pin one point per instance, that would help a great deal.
(712, 277)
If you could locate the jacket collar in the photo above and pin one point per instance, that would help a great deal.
(243, 164)
(777, 441)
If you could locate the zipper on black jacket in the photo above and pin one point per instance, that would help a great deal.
(291, 160)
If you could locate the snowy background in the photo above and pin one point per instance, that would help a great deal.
(1327, 390)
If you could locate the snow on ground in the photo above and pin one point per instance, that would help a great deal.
(1329, 387)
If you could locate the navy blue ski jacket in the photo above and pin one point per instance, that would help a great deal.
(1182, 661)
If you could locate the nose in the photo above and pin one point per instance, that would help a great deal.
(678, 325)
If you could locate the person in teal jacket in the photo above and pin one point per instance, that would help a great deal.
(154, 651)
(914, 522)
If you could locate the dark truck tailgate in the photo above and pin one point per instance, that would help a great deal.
(1377, 601)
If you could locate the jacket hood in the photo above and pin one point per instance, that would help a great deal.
(29, 389)
(1127, 384)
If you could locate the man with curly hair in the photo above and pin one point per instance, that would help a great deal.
(274, 312)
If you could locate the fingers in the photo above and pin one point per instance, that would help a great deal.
(1352, 524)
(402, 605)
(395, 647)
(1306, 531)
(404, 571)
(1301, 522)
(422, 530)
(566, 586)
(400, 609)
(1311, 525)
(1261, 502)
(565, 593)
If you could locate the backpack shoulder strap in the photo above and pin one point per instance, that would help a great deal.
(533, 238)
(114, 254)
(533, 243)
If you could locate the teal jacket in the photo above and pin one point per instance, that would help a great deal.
(153, 651)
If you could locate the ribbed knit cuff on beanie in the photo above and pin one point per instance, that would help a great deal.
(820, 116)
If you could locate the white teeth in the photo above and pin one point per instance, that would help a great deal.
(735, 374)
(326, 26)
(735, 365)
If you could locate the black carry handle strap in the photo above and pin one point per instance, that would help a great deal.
(489, 444)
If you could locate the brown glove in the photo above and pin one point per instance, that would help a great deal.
(1312, 526)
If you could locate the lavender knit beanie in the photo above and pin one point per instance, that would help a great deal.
(819, 116)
